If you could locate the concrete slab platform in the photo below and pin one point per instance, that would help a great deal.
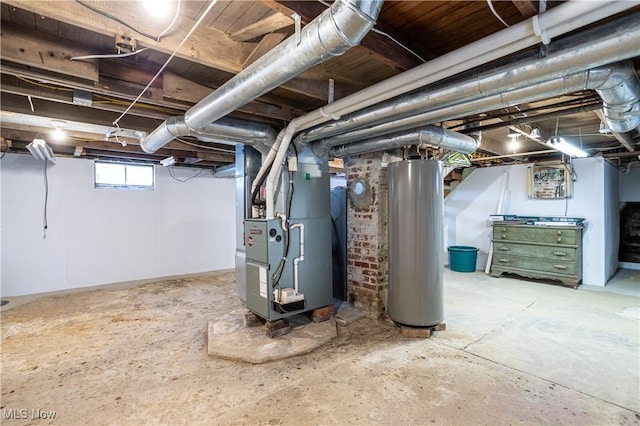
(228, 338)
(348, 314)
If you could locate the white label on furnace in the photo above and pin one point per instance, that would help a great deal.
(263, 282)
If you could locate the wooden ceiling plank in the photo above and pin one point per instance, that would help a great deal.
(272, 23)
(30, 49)
(207, 46)
(381, 47)
(255, 13)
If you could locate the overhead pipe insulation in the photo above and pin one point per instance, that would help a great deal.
(336, 30)
(610, 43)
(620, 94)
(560, 20)
(589, 79)
(430, 135)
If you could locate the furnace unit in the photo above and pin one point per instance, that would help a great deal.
(288, 258)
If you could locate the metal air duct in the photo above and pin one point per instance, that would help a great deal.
(589, 79)
(620, 94)
(336, 30)
(430, 135)
(560, 20)
(226, 131)
(610, 43)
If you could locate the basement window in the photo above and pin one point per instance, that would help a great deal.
(124, 176)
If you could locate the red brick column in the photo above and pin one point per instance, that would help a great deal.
(367, 247)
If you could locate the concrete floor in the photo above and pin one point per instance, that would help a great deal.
(514, 352)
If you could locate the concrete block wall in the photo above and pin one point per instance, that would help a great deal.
(367, 251)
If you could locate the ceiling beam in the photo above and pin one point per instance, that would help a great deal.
(181, 89)
(272, 23)
(527, 8)
(34, 50)
(382, 48)
(268, 42)
(206, 46)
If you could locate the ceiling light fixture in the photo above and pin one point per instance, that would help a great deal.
(41, 151)
(169, 161)
(565, 147)
(514, 145)
(513, 134)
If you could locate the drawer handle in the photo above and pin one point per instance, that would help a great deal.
(504, 248)
(559, 253)
(559, 266)
(559, 232)
(559, 239)
(504, 229)
(504, 237)
(503, 260)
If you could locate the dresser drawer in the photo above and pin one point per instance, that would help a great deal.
(536, 251)
(535, 234)
(535, 264)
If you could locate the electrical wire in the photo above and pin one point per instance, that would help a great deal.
(195, 25)
(46, 200)
(175, 18)
(490, 3)
(47, 86)
(377, 31)
(109, 55)
(5, 152)
(118, 20)
(212, 148)
(200, 172)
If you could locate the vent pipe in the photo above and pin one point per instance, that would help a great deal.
(430, 135)
(560, 20)
(227, 131)
(610, 43)
(620, 95)
(336, 30)
(619, 76)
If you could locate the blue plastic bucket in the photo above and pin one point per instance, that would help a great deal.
(462, 258)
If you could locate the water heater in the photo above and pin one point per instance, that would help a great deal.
(416, 258)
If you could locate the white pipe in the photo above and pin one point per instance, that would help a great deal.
(287, 135)
(552, 23)
(300, 257)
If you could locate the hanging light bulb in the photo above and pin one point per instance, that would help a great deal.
(58, 134)
(158, 8)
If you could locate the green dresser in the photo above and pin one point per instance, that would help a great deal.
(537, 251)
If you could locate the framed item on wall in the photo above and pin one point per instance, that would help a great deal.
(549, 181)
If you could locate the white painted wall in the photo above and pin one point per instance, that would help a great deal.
(467, 210)
(101, 236)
